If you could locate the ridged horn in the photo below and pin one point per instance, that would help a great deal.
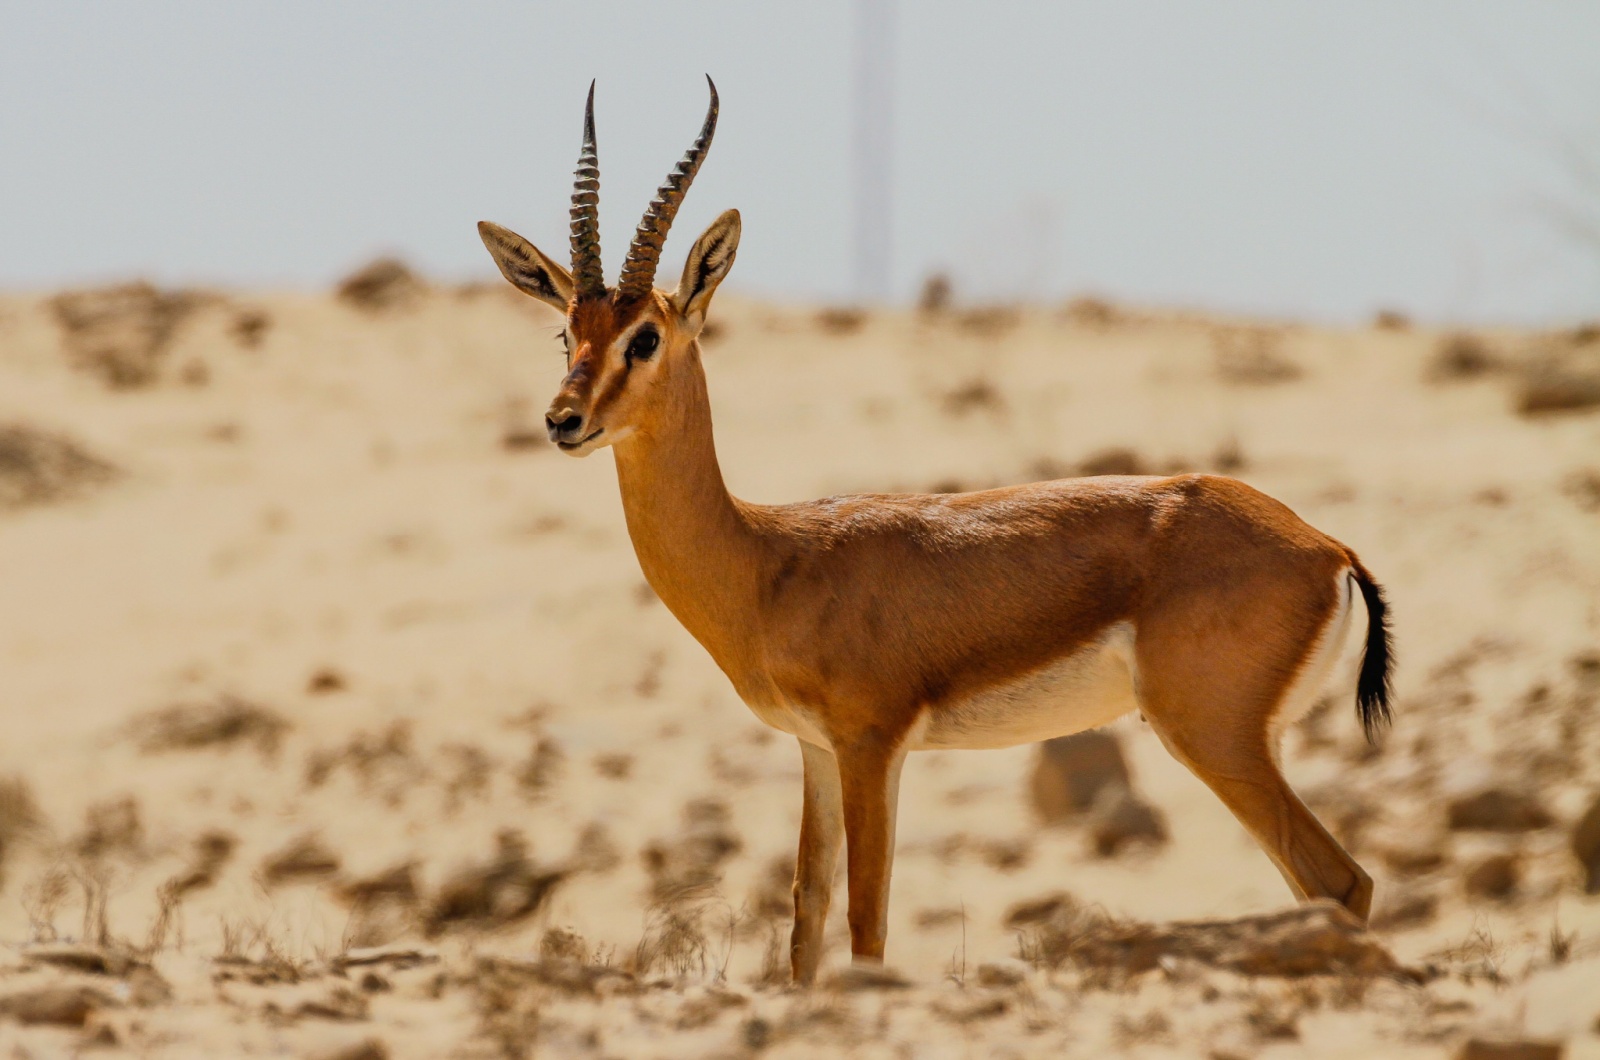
(639, 270)
(587, 276)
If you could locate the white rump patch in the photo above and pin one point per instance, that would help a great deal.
(1329, 650)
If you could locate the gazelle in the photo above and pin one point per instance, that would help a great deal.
(871, 626)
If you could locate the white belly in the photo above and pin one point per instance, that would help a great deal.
(1090, 687)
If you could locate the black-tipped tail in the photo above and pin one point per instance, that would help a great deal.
(1375, 685)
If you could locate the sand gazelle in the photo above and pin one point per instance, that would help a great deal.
(870, 626)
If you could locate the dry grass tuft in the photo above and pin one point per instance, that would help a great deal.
(20, 817)
(39, 467)
(1252, 357)
(695, 856)
(502, 891)
(121, 334)
(1462, 356)
(222, 722)
(211, 854)
(385, 284)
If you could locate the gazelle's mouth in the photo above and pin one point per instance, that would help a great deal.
(572, 447)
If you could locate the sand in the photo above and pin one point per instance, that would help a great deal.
(340, 721)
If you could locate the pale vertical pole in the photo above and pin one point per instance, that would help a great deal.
(871, 145)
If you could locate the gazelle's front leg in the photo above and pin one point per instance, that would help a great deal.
(821, 832)
(869, 774)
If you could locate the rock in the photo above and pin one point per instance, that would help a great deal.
(1317, 938)
(1070, 772)
(1034, 911)
(1498, 810)
(221, 722)
(1408, 910)
(94, 960)
(306, 857)
(1120, 817)
(42, 467)
(1413, 860)
(1495, 876)
(1586, 847)
(1497, 1049)
(860, 977)
(61, 1006)
(1007, 971)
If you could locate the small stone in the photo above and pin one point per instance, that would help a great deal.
(1499, 1049)
(1070, 772)
(1413, 860)
(1498, 810)
(1405, 911)
(1495, 876)
(1008, 971)
(365, 1049)
(94, 960)
(1120, 817)
(859, 977)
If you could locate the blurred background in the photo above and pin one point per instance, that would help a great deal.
(340, 722)
(1437, 158)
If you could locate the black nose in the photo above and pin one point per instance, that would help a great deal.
(567, 428)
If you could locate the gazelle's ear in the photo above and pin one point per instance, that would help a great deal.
(708, 263)
(528, 270)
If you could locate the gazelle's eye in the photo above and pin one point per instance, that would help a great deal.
(643, 345)
(566, 343)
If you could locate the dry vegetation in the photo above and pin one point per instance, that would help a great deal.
(342, 725)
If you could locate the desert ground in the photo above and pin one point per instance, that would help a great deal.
(339, 721)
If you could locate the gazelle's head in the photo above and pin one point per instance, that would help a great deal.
(626, 345)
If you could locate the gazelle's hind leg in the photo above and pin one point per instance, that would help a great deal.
(1219, 712)
(1246, 778)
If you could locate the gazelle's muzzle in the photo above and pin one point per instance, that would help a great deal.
(567, 419)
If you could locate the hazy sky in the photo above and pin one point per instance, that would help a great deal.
(1303, 159)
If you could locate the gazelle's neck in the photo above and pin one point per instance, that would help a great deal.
(694, 542)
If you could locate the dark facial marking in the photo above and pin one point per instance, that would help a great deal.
(642, 346)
